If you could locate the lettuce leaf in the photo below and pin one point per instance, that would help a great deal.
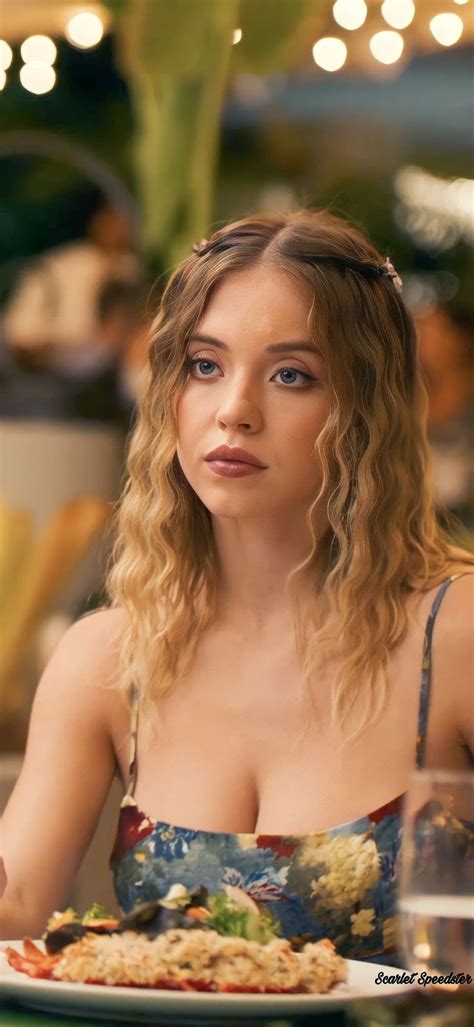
(96, 912)
(229, 918)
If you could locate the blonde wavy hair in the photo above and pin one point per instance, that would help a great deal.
(382, 540)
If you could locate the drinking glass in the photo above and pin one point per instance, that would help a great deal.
(436, 896)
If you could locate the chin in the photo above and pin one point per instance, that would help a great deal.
(239, 507)
(232, 508)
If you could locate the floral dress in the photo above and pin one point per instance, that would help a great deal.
(340, 883)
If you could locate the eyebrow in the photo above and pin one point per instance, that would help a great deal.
(276, 347)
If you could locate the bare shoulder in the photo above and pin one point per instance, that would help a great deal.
(453, 653)
(104, 624)
(97, 634)
(83, 667)
(455, 617)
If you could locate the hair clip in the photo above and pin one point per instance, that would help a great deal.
(198, 247)
(393, 274)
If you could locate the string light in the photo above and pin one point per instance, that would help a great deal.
(38, 48)
(446, 28)
(386, 47)
(6, 55)
(85, 30)
(329, 53)
(350, 14)
(37, 77)
(398, 13)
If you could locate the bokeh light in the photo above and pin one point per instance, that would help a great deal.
(398, 13)
(386, 47)
(433, 210)
(6, 55)
(237, 36)
(85, 30)
(38, 48)
(37, 77)
(350, 14)
(3, 79)
(330, 53)
(446, 28)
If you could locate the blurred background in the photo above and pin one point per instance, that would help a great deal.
(128, 129)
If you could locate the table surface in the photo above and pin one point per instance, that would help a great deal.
(12, 1015)
(442, 1009)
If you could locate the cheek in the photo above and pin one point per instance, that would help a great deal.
(191, 430)
(178, 405)
(194, 397)
(187, 415)
(302, 429)
(298, 448)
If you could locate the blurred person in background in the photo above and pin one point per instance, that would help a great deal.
(51, 318)
(68, 325)
(106, 390)
(445, 347)
(110, 394)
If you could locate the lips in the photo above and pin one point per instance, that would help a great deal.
(234, 455)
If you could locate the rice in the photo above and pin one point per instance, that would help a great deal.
(180, 958)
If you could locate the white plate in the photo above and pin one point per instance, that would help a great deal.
(150, 1003)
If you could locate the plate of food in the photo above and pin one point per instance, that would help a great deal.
(188, 955)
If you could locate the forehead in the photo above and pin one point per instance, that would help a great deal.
(262, 300)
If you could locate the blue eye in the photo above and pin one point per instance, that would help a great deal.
(209, 363)
(294, 371)
(206, 368)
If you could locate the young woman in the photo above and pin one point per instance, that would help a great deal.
(276, 582)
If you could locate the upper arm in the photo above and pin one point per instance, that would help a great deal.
(453, 656)
(67, 772)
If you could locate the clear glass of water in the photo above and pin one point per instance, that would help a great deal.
(436, 896)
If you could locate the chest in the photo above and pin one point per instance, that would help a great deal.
(240, 746)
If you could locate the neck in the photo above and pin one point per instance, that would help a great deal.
(255, 560)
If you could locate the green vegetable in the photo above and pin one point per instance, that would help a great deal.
(229, 918)
(96, 912)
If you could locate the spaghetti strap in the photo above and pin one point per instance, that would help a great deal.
(132, 769)
(426, 671)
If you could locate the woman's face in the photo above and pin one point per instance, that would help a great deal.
(258, 383)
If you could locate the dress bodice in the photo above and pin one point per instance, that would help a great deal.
(340, 883)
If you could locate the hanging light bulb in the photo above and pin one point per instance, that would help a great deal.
(85, 30)
(37, 77)
(237, 36)
(330, 53)
(446, 28)
(38, 48)
(6, 55)
(398, 13)
(350, 14)
(386, 47)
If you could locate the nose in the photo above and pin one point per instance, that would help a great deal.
(239, 409)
